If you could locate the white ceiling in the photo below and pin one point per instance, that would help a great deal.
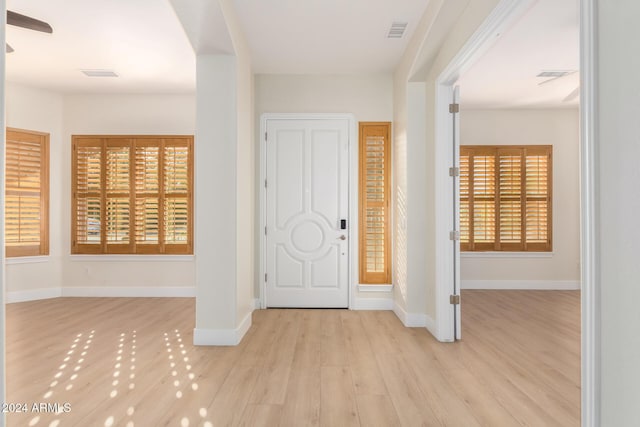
(326, 36)
(143, 41)
(545, 38)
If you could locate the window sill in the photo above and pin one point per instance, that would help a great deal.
(132, 258)
(26, 259)
(506, 254)
(375, 288)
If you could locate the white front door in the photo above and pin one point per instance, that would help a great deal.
(307, 209)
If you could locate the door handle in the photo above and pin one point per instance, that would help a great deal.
(343, 237)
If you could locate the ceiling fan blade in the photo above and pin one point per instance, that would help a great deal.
(27, 22)
(9, 48)
(573, 95)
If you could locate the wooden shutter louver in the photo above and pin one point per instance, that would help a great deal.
(177, 195)
(484, 200)
(26, 193)
(538, 198)
(87, 169)
(510, 203)
(117, 197)
(465, 212)
(375, 193)
(505, 198)
(138, 196)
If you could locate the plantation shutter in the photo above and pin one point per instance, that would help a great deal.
(26, 193)
(538, 198)
(177, 196)
(133, 195)
(465, 210)
(87, 192)
(511, 201)
(375, 193)
(505, 198)
(147, 202)
(483, 187)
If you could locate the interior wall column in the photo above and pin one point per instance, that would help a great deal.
(216, 143)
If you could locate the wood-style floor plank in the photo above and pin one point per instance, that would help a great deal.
(132, 362)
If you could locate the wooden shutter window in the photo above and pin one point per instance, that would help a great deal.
(133, 195)
(375, 192)
(505, 198)
(87, 182)
(26, 193)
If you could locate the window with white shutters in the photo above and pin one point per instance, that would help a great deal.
(132, 194)
(505, 198)
(26, 193)
(375, 194)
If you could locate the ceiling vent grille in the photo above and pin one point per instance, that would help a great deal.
(397, 30)
(99, 73)
(555, 73)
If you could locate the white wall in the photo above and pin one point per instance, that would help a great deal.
(441, 33)
(120, 114)
(3, 14)
(62, 116)
(246, 170)
(39, 110)
(367, 97)
(618, 208)
(224, 190)
(560, 128)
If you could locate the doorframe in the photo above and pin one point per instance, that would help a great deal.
(352, 208)
(502, 16)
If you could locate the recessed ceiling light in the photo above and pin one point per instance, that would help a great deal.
(99, 73)
(397, 30)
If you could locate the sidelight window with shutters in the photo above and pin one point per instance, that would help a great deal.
(505, 198)
(132, 195)
(375, 195)
(26, 193)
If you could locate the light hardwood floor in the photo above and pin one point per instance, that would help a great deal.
(131, 362)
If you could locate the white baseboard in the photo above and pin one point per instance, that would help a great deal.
(256, 304)
(410, 320)
(558, 285)
(33, 295)
(372, 304)
(222, 337)
(133, 291)
(430, 324)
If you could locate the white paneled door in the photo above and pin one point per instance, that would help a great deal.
(307, 233)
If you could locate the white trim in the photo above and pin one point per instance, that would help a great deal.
(375, 288)
(132, 258)
(430, 324)
(33, 295)
(590, 270)
(506, 254)
(130, 291)
(503, 15)
(26, 259)
(255, 304)
(372, 304)
(353, 194)
(557, 285)
(411, 320)
(226, 337)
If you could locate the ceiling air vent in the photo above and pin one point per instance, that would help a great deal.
(397, 30)
(555, 73)
(99, 73)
